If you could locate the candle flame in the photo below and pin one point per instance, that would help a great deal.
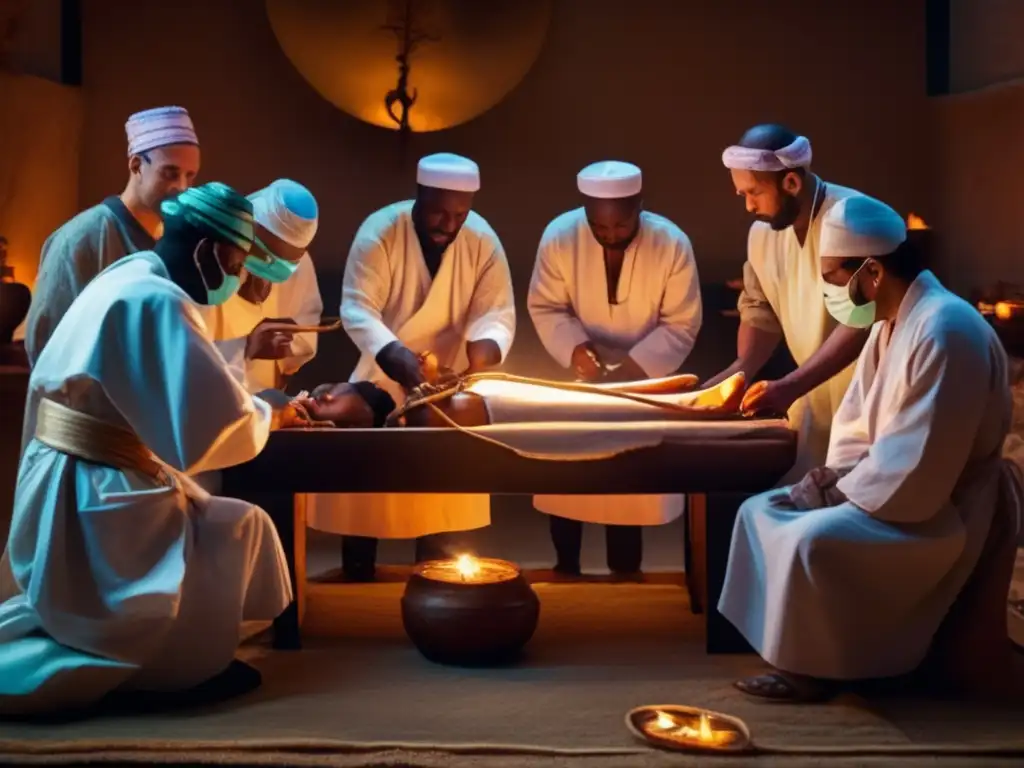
(467, 566)
(916, 222)
(1003, 310)
(706, 734)
(665, 721)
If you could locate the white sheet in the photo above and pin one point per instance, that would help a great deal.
(587, 441)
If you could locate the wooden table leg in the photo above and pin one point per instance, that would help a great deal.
(722, 636)
(300, 571)
(283, 512)
(695, 551)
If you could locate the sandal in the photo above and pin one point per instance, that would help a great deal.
(781, 688)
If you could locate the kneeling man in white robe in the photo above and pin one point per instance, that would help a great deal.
(615, 296)
(121, 574)
(423, 275)
(848, 574)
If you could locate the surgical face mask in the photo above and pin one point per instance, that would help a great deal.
(229, 284)
(840, 304)
(271, 268)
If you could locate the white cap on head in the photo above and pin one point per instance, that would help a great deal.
(610, 179)
(287, 209)
(860, 227)
(447, 171)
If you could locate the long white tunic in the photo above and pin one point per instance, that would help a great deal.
(655, 322)
(388, 295)
(783, 292)
(72, 256)
(110, 579)
(231, 323)
(858, 590)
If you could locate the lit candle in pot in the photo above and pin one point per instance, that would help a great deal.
(469, 610)
(467, 569)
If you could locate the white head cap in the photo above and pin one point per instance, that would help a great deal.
(859, 227)
(447, 171)
(287, 209)
(610, 179)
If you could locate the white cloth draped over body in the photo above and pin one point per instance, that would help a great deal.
(858, 590)
(231, 323)
(655, 321)
(783, 293)
(388, 295)
(113, 579)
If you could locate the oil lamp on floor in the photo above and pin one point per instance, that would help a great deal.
(469, 611)
(670, 726)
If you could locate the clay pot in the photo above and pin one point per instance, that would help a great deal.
(481, 622)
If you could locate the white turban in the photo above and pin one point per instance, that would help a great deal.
(859, 227)
(287, 209)
(610, 179)
(796, 155)
(447, 171)
(159, 127)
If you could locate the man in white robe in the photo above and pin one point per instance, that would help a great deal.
(281, 285)
(163, 160)
(782, 288)
(848, 574)
(120, 574)
(423, 275)
(615, 296)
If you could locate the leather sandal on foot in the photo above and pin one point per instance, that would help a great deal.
(779, 688)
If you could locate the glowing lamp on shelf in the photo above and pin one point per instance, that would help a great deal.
(469, 611)
(1002, 310)
(690, 729)
(916, 222)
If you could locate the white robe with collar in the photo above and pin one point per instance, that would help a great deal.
(655, 321)
(112, 579)
(783, 292)
(231, 323)
(858, 590)
(388, 295)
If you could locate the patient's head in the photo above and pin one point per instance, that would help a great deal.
(360, 404)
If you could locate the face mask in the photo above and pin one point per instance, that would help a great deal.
(229, 284)
(840, 304)
(273, 269)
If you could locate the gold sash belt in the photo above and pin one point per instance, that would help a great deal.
(86, 437)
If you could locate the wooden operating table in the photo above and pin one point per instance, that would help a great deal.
(716, 473)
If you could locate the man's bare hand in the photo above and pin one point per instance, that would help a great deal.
(296, 414)
(268, 343)
(817, 490)
(586, 363)
(768, 397)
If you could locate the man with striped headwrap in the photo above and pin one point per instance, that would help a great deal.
(163, 160)
(120, 573)
(782, 289)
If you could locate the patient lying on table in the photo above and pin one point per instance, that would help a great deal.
(497, 398)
